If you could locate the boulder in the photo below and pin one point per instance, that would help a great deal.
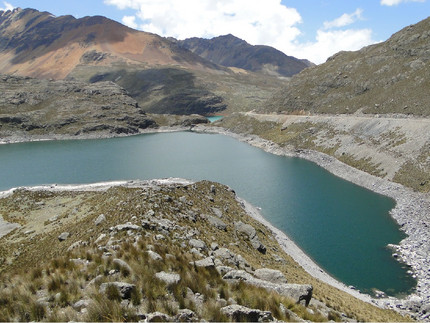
(124, 289)
(225, 255)
(63, 236)
(214, 246)
(223, 269)
(238, 313)
(77, 244)
(186, 315)
(217, 212)
(245, 229)
(238, 275)
(164, 224)
(206, 263)
(126, 227)
(79, 305)
(168, 278)
(154, 255)
(122, 265)
(217, 222)
(256, 244)
(271, 275)
(295, 291)
(158, 317)
(198, 244)
(100, 219)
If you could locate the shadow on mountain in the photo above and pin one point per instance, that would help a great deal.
(165, 90)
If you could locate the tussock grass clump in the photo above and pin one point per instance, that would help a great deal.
(64, 284)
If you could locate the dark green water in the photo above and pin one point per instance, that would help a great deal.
(342, 226)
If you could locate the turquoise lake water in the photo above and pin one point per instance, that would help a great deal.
(343, 227)
(214, 118)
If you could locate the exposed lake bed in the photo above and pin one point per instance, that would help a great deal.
(409, 212)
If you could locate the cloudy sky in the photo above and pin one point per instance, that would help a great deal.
(311, 29)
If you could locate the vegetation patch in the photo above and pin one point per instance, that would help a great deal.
(134, 251)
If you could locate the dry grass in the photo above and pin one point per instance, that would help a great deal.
(62, 282)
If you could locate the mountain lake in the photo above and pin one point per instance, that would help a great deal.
(341, 226)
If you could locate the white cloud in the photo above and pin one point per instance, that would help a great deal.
(396, 2)
(330, 42)
(7, 6)
(344, 20)
(130, 21)
(258, 22)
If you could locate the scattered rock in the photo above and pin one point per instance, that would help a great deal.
(77, 244)
(271, 275)
(225, 255)
(214, 246)
(80, 261)
(126, 227)
(223, 269)
(100, 219)
(217, 212)
(100, 238)
(124, 289)
(217, 223)
(63, 236)
(158, 317)
(122, 265)
(83, 303)
(198, 244)
(154, 255)
(168, 278)
(245, 229)
(240, 313)
(206, 263)
(256, 244)
(186, 315)
(238, 275)
(295, 291)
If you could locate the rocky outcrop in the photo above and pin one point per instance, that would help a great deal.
(238, 313)
(31, 107)
(249, 232)
(270, 275)
(295, 291)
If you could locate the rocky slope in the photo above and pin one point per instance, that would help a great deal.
(159, 74)
(30, 108)
(389, 77)
(156, 250)
(231, 51)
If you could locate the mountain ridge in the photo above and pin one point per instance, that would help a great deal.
(162, 76)
(388, 77)
(231, 51)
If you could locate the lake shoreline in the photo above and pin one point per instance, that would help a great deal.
(408, 212)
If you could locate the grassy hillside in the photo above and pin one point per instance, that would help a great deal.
(73, 247)
(387, 78)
